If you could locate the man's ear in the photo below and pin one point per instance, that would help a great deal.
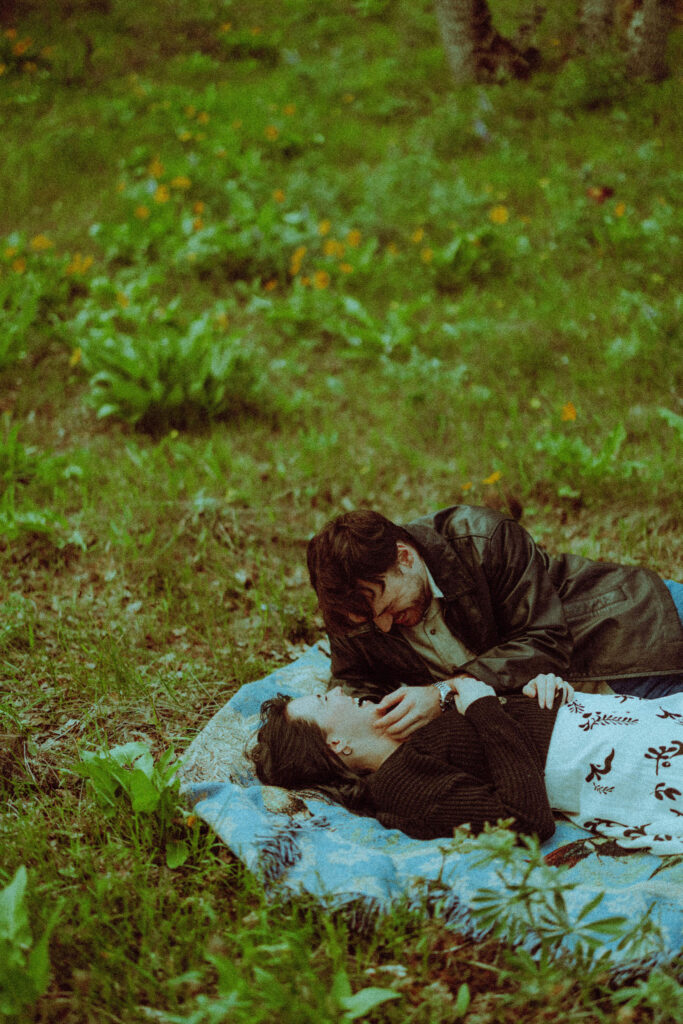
(406, 555)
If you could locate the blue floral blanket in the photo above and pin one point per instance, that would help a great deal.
(584, 891)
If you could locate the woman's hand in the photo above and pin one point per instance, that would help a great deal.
(467, 689)
(544, 687)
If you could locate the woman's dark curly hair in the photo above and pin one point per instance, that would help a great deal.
(293, 753)
(360, 545)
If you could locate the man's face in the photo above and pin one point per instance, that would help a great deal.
(405, 596)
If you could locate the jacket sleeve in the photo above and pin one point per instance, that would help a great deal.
(516, 790)
(351, 670)
(529, 617)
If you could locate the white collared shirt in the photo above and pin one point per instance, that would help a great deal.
(433, 640)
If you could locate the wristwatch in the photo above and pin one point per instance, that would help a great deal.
(446, 695)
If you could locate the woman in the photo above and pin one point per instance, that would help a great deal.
(614, 764)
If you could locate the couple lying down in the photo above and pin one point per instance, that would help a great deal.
(613, 764)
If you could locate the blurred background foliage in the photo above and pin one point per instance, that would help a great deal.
(260, 264)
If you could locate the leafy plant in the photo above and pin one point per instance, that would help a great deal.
(267, 981)
(161, 379)
(24, 962)
(571, 461)
(126, 779)
(530, 906)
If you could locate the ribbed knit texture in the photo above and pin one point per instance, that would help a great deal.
(470, 769)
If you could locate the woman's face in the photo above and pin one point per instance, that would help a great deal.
(334, 711)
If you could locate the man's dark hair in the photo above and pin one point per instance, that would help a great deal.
(294, 754)
(360, 545)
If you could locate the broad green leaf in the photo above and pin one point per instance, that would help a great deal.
(14, 924)
(177, 852)
(367, 999)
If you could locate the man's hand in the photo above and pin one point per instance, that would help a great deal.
(406, 710)
(544, 687)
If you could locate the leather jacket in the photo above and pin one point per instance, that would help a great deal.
(522, 611)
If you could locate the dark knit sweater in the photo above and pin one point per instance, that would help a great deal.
(469, 769)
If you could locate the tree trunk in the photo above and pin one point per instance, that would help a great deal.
(647, 34)
(475, 50)
(597, 22)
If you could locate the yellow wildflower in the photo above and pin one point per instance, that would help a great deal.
(197, 224)
(20, 48)
(271, 132)
(278, 195)
(334, 248)
(346, 268)
(392, 249)
(10, 33)
(30, 67)
(198, 207)
(297, 260)
(10, 251)
(185, 136)
(354, 238)
(203, 118)
(79, 264)
(499, 215)
(324, 227)
(19, 265)
(225, 27)
(3, 68)
(75, 357)
(271, 285)
(305, 281)
(620, 209)
(190, 110)
(182, 181)
(289, 109)
(142, 212)
(494, 478)
(348, 97)
(321, 279)
(156, 168)
(417, 235)
(162, 194)
(426, 255)
(122, 300)
(568, 412)
(467, 487)
(40, 243)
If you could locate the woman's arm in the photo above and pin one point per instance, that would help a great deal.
(427, 807)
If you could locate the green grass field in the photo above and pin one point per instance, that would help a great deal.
(259, 264)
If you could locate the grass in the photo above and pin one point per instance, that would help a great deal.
(486, 310)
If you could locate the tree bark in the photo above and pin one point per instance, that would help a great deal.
(475, 50)
(597, 22)
(647, 33)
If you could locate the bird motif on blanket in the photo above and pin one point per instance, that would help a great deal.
(598, 771)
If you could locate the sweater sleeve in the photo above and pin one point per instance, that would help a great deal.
(427, 808)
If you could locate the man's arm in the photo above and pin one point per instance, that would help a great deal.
(530, 620)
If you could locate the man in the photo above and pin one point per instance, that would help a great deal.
(467, 593)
